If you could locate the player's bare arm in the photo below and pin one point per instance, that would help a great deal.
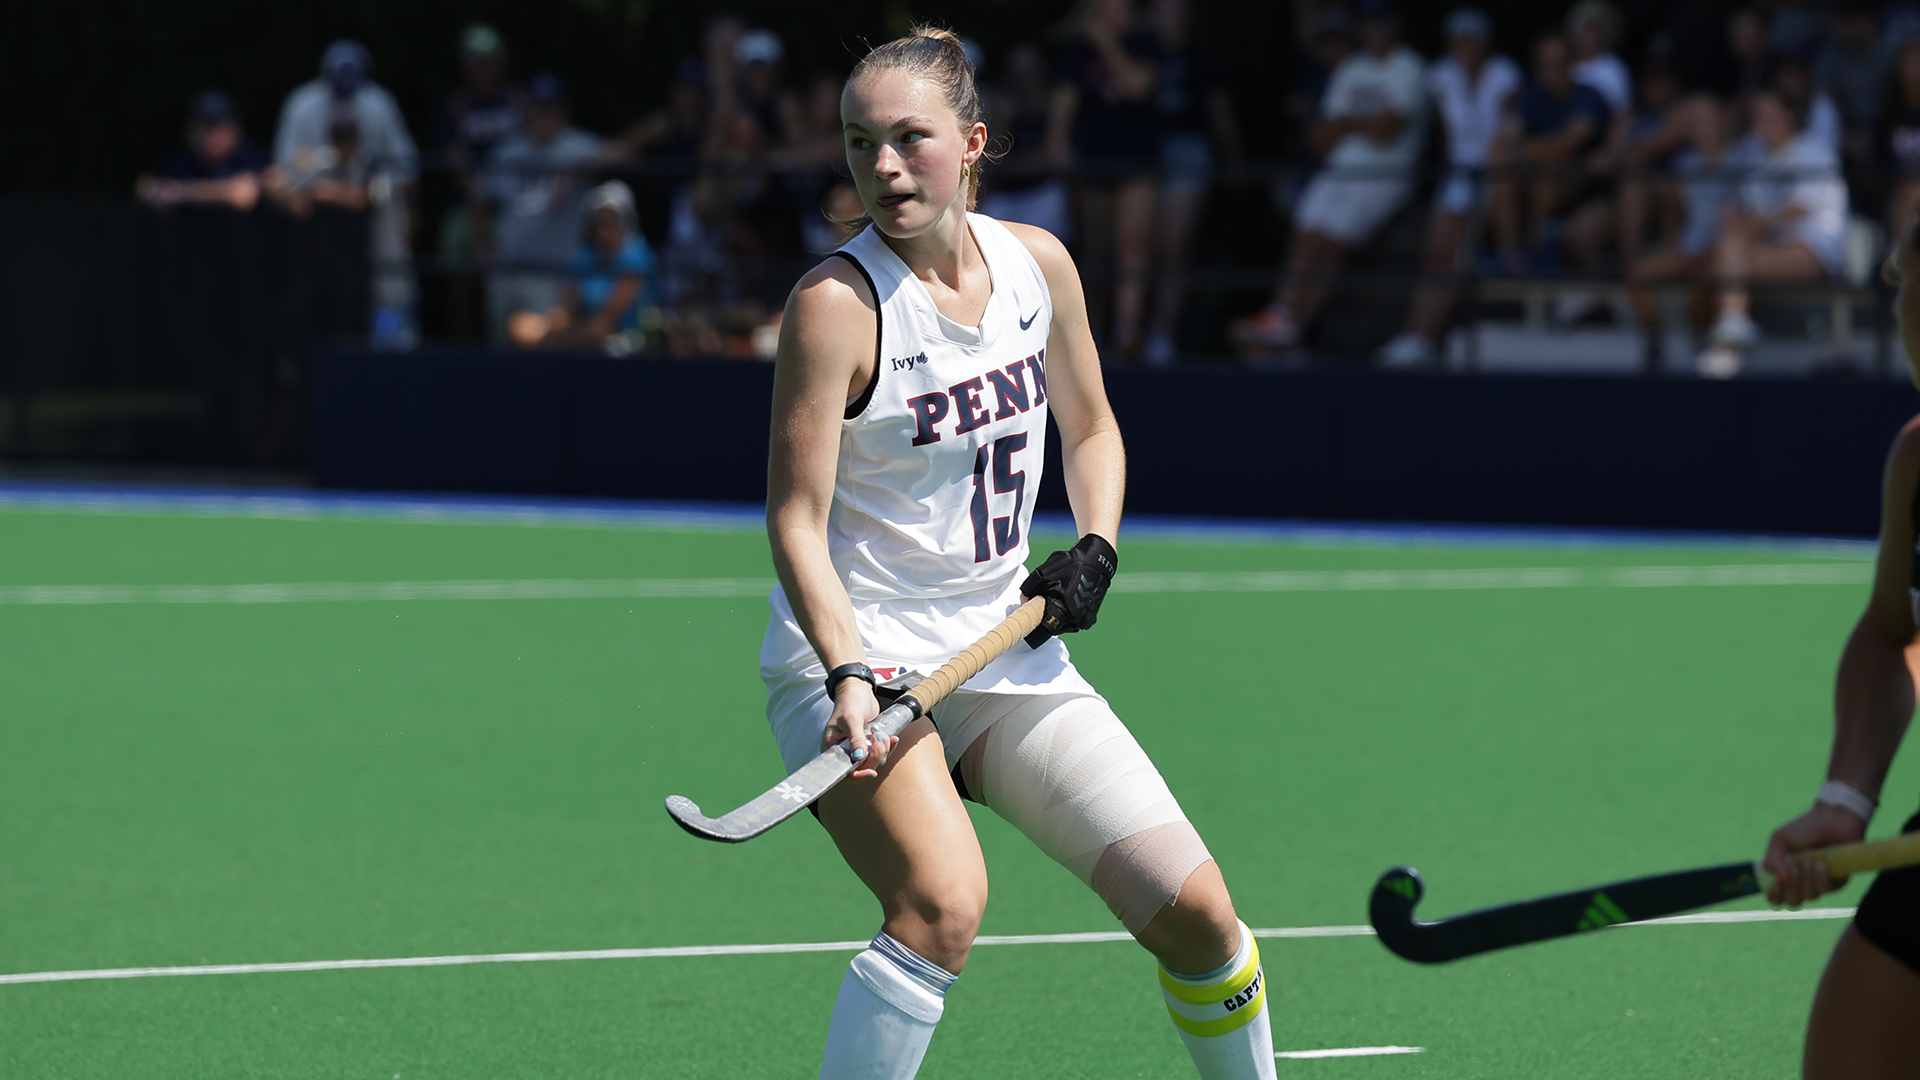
(1873, 693)
(825, 361)
(1090, 446)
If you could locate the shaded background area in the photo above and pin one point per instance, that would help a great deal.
(106, 84)
(130, 336)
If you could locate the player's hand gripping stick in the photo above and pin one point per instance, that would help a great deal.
(1399, 889)
(835, 764)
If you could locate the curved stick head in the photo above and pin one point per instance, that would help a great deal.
(1390, 909)
(686, 813)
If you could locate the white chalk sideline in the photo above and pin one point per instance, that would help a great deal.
(662, 952)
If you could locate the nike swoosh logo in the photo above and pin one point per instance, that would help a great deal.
(1028, 321)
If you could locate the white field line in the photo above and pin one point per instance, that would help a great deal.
(1350, 1051)
(86, 974)
(1540, 577)
(1762, 915)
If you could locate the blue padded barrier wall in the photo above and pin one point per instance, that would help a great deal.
(1761, 455)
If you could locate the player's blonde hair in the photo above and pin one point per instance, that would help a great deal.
(935, 55)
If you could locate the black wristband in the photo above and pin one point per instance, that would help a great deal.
(850, 671)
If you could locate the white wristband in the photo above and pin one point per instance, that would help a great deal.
(1847, 797)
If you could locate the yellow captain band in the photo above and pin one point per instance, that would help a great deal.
(1233, 1021)
(1214, 993)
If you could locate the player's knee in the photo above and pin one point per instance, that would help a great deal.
(946, 918)
(1198, 930)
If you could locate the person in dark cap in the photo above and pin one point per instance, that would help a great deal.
(215, 165)
(486, 108)
(473, 120)
(344, 93)
(533, 188)
(342, 140)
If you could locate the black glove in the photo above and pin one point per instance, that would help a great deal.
(1074, 582)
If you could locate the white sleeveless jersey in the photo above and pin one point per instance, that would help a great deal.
(938, 472)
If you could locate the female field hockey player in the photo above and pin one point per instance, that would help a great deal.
(1866, 1013)
(915, 372)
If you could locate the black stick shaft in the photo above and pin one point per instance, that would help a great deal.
(1548, 917)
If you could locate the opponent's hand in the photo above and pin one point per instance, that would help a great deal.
(1800, 880)
(854, 707)
(1074, 583)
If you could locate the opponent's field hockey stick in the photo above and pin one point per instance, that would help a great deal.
(818, 776)
(1400, 888)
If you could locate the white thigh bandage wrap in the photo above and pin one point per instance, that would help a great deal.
(1065, 771)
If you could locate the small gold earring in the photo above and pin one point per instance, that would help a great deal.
(965, 170)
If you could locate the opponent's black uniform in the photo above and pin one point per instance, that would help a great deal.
(1890, 912)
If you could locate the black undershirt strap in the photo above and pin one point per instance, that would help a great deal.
(860, 403)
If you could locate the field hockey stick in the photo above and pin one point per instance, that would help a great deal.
(1399, 889)
(818, 776)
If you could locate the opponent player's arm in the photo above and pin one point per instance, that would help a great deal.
(824, 361)
(1873, 693)
(1094, 458)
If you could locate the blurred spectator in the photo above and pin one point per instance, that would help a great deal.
(700, 211)
(611, 272)
(1196, 121)
(1371, 126)
(1897, 141)
(476, 117)
(1593, 224)
(343, 142)
(1543, 177)
(1648, 195)
(756, 118)
(1023, 185)
(1105, 124)
(533, 186)
(1789, 225)
(1331, 42)
(1706, 173)
(757, 99)
(484, 111)
(1852, 70)
(675, 136)
(1749, 46)
(1473, 92)
(1791, 79)
(677, 130)
(815, 145)
(216, 164)
(1592, 26)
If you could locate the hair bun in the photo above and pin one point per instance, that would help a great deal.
(940, 34)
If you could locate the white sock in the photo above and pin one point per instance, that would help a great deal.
(1222, 1016)
(884, 1018)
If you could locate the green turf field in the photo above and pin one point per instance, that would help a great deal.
(230, 783)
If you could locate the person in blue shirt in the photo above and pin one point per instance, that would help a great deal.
(613, 274)
(1561, 122)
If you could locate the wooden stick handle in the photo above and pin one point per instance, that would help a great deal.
(1846, 860)
(930, 691)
